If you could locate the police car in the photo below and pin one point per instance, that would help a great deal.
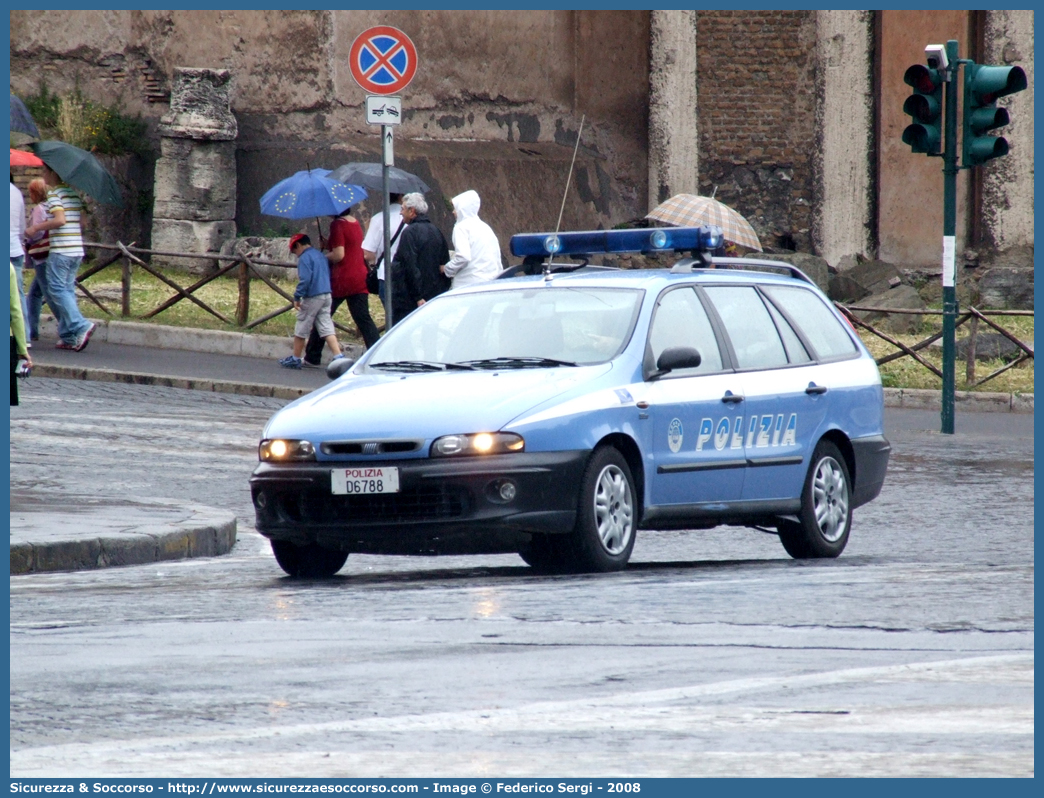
(555, 414)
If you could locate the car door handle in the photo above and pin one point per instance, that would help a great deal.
(815, 390)
(731, 399)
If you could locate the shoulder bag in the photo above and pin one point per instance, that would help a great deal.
(373, 285)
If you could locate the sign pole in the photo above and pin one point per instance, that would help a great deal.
(386, 161)
(383, 60)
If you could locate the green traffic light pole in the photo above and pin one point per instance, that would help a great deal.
(982, 86)
(949, 240)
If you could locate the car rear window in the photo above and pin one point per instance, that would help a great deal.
(755, 341)
(815, 320)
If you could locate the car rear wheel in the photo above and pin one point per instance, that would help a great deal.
(826, 508)
(308, 562)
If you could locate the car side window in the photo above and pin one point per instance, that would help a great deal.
(819, 325)
(754, 338)
(680, 320)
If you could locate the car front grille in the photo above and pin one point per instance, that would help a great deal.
(417, 504)
(369, 447)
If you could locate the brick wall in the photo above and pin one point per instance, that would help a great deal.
(22, 176)
(756, 102)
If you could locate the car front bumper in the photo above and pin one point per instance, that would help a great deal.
(444, 506)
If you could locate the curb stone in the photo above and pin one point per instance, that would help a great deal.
(190, 339)
(189, 383)
(168, 531)
(970, 401)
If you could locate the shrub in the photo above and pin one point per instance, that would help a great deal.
(76, 120)
(44, 108)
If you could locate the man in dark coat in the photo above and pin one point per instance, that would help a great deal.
(415, 269)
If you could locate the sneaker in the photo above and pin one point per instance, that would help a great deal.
(34, 337)
(83, 340)
(63, 345)
(291, 362)
(309, 364)
(339, 356)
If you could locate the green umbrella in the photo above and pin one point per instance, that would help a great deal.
(79, 169)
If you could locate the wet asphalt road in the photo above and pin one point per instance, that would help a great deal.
(713, 654)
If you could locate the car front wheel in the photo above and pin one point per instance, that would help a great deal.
(546, 554)
(826, 508)
(606, 523)
(308, 562)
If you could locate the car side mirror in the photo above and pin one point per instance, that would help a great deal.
(677, 357)
(337, 368)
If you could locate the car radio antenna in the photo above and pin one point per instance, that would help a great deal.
(569, 178)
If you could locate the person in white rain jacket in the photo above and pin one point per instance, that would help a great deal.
(476, 256)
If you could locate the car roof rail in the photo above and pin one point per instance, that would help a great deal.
(524, 268)
(687, 265)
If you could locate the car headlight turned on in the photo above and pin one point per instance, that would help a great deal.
(477, 443)
(279, 450)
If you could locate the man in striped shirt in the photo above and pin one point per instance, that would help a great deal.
(63, 262)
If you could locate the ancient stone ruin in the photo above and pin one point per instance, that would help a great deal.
(195, 189)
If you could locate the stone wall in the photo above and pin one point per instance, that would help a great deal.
(756, 89)
(910, 185)
(673, 160)
(516, 82)
(786, 104)
(1007, 183)
(844, 204)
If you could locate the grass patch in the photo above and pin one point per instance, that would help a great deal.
(908, 373)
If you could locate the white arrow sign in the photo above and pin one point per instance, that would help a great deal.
(387, 146)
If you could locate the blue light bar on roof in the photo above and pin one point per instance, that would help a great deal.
(598, 242)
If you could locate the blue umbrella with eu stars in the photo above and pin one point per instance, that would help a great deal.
(310, 193)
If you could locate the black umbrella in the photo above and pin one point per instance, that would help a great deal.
(79, 169)
(369, 175)
(21, 119)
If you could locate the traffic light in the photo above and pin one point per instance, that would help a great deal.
(925, 107)
(982, 86)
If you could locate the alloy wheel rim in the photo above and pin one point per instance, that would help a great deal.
(613, 510)
(830, 499)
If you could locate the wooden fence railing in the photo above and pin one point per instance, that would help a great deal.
(971, 316)
(246, 272)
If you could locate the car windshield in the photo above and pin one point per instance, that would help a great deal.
(539, 327)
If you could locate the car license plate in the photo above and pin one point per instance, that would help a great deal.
(364, 480)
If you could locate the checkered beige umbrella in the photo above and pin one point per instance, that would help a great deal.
(690, 210)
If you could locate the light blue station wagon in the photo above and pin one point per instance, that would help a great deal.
(555, 414)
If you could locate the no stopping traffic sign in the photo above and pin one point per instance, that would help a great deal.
(383, 60)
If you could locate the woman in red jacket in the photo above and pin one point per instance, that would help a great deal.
(347, 282)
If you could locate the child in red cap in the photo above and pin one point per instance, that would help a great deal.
(312, 300)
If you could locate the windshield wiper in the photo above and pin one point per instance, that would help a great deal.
(517, 363)
(419, 365)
